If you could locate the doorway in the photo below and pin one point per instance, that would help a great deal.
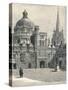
(42, 64)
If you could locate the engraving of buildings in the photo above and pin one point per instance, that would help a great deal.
(32, 49)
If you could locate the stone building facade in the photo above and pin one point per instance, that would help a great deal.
(59, 57)
(30, 48)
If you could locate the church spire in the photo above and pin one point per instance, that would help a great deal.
(57, 20)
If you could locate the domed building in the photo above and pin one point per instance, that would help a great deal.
(24, 28)
(30, 48)
(23, 48)
(29, 45)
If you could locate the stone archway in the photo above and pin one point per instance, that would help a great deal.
(29, 59)
(42, 64)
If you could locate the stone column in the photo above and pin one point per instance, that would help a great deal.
(36, 44)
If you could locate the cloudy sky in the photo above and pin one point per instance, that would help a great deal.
(42, 15)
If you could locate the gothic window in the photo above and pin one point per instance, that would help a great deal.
(45, 41)
(14, 56)
(29, 65)
(25, 30)
(18, 41)
(39, 53)
(41, 43)
(54, 43)
(42, 36)
(28, 47)
(49, 55)
(14, 65)
(22, 57)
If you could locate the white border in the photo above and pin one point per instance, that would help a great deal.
(4, 43)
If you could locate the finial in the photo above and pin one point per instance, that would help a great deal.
(25, 14)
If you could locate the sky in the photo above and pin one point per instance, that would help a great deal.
(42, 15)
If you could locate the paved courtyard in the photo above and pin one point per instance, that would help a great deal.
(39, 77)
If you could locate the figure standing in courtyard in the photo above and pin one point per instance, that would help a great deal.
(21, 72)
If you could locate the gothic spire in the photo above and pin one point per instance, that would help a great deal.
(57, 20)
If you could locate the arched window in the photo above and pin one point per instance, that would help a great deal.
(41, 42)
(14, 66)
(29, 65)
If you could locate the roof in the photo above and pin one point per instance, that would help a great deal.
(24, 22)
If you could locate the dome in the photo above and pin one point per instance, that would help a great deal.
(24, 22)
